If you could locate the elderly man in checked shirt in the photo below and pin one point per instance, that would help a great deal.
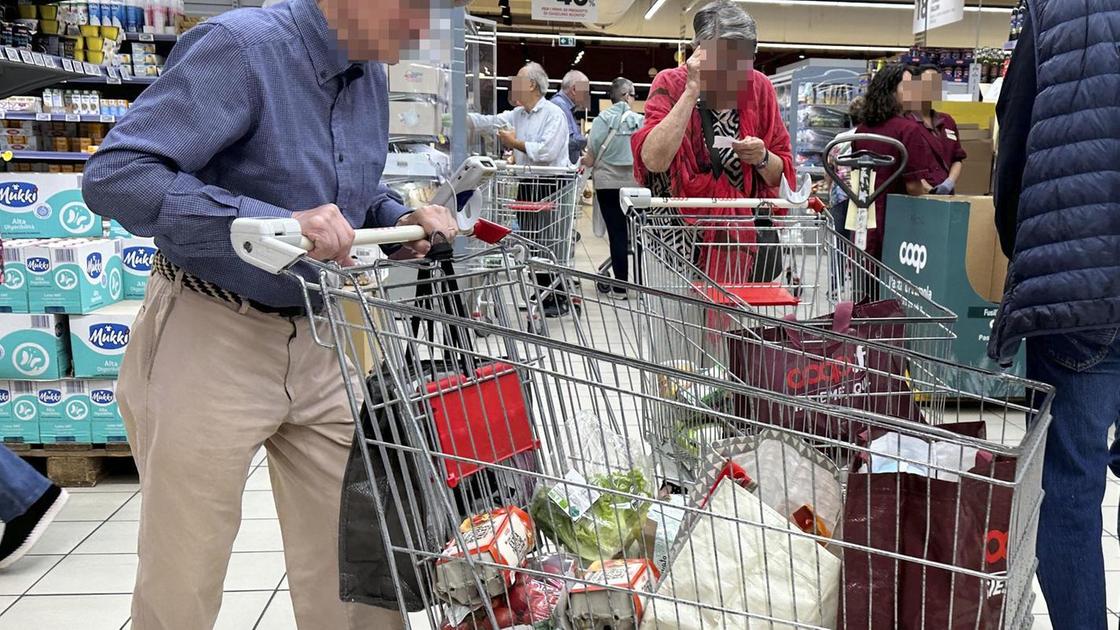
(278, 112)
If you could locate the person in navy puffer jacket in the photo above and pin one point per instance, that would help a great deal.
(1058, 214)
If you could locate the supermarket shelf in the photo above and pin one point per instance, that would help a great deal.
(22, 71)
(57, 117)
(102, 80)
(56, 156)
(150, 37)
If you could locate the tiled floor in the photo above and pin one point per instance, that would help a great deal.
(80, 574)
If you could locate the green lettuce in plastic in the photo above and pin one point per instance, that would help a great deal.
(608, 527)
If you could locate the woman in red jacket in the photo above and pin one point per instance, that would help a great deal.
(718, 87)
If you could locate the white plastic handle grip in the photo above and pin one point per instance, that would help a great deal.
(378, 236)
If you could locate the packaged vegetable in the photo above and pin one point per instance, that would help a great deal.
(585, 511)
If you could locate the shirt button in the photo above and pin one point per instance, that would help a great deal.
(323, 74)
(340, 158)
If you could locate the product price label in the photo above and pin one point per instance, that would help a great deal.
(147, 37)
(114, 78)
(25, 56)
(575, 500)
(108, 119)
(37, 59)
(73, 118)
(41, 117)
(11, 54)
(67, 65)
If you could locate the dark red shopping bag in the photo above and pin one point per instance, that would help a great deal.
(482, 417)
(837, 370)
(963, 524)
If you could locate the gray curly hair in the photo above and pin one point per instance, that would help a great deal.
(723, 20)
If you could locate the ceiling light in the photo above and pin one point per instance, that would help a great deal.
(622, 39)
(858, 4)
(654, 8)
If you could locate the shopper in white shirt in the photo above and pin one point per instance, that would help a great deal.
(536, 130)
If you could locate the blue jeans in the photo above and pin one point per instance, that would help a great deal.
(1085, 370)
(20, 485)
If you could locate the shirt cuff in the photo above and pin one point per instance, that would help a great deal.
(254, 208)
(390, 213)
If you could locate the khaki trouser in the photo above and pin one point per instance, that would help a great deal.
(202, 386)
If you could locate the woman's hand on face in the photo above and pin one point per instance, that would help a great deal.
(692, 87)
(750, 150)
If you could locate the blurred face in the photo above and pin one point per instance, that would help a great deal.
(918, 93)
(726, 67)
(581, 93)
(377, 30)
(522, 89)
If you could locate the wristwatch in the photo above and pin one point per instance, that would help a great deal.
(764, 161)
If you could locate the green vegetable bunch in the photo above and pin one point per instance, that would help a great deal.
(608, 527)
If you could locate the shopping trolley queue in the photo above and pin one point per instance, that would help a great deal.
(634, 464)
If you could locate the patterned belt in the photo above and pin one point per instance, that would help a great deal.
(170, 270)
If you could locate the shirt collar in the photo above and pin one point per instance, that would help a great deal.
(327, 57)
(536, 108)
(937, 118)
(560, 96)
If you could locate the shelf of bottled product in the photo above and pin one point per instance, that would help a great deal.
(43, 117)
(50, 156)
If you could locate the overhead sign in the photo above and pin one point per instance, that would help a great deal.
(931, 14)
(566, 41)
(565, 10)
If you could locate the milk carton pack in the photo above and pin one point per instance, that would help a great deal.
(13, 292)
(18, 413)
(116, 230)
(33, 346)
(74, 275)
(107, 425)
(64, 411)
(34, 205)
(136, 260)
(98, 340)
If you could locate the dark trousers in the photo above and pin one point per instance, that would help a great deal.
(1084, 368)
(618, 231)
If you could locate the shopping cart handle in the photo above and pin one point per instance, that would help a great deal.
(635, 198)
(276, 244)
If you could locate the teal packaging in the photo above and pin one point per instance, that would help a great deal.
(5, 401)
(98, 340)
(38, 205)
(65, 412)
(17, 432)
(14, 291)
(107, 424)
(108, 432)
(74, 276)
(25, 401)
(116, 230)
(33, 347)
(136, 262)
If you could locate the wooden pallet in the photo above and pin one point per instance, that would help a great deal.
(73, 465)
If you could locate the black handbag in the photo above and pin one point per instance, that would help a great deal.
(407, 508)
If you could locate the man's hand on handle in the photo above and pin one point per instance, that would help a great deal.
(434, 220)
(329, 231)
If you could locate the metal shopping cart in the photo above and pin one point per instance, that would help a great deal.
(513, 482)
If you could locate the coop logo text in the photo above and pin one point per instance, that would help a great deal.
(138, 258)
(109, 336)
(913, 255)
(827, 373)
(18, 194)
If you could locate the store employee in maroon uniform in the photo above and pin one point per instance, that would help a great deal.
(937, 149)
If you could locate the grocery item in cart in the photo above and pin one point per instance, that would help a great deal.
(742, 556)
(579, 511)
(835, 370)
(498, 541)
(595, 604)
(792, 478)
(963, 523)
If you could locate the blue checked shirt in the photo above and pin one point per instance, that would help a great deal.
(258, 114)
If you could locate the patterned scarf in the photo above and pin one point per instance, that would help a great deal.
(725, 122)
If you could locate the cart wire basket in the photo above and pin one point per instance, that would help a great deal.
(539, 203)
(512, 480)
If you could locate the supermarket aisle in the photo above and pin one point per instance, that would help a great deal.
(81, 572)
